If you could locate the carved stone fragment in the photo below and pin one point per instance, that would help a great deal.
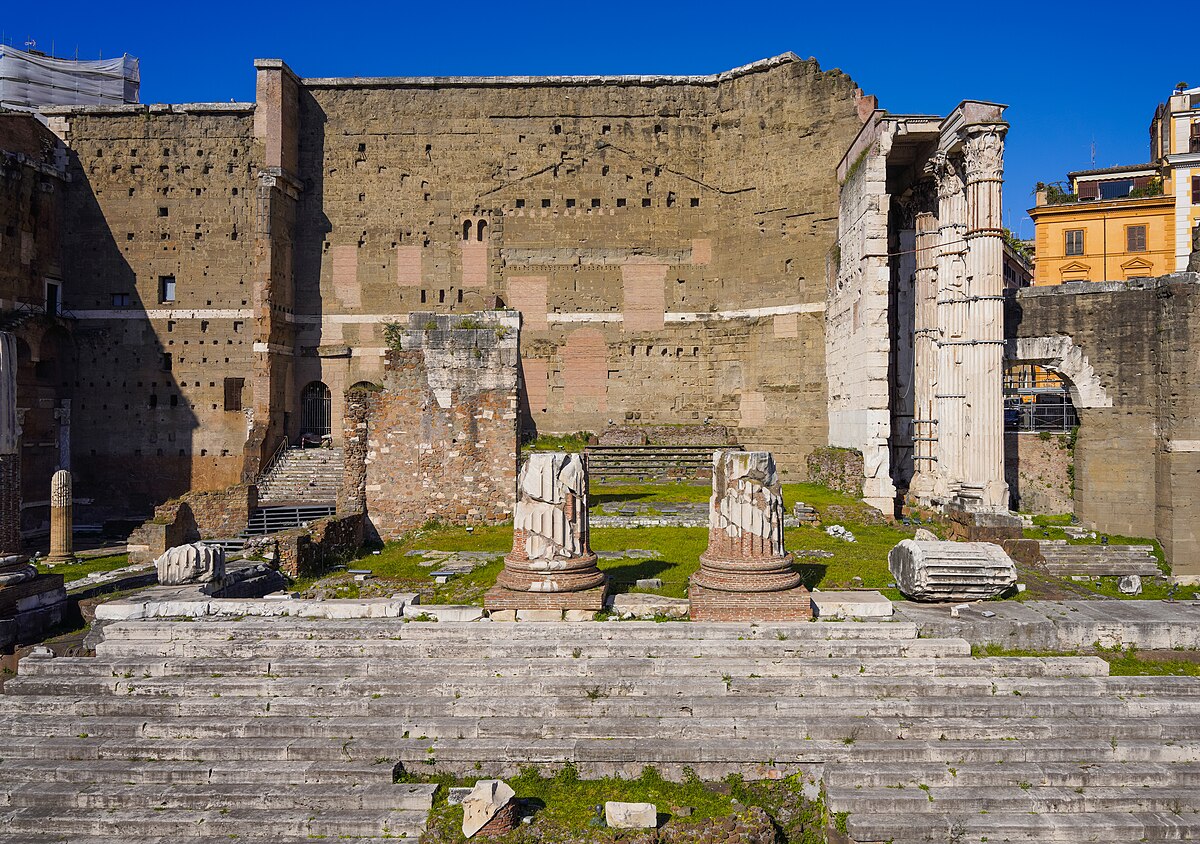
(195, 563)
(950, 571)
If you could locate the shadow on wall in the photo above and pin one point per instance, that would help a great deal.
(132, 426)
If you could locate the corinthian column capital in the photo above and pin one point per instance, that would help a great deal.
(946, 175)
(983, 152)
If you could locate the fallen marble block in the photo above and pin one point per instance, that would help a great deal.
(951, 571)
(645, 605)
(194, 563)
(630, 815)
(483, 803)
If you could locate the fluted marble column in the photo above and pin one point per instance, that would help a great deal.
(983, 358)
(10, 460)
(62, 549)
(925, 429)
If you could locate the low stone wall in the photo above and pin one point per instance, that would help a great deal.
(323, 544)
(714, 435)
(837, 468)
(220, 514)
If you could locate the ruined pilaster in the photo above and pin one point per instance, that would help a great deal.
(62, 549)
(745, 573)
(552, 565)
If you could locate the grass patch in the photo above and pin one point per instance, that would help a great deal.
(694, 493)
(575, 442)
(83, 567)
(1122, 662)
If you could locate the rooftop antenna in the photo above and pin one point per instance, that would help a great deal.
(30, 44)
(1093, 150)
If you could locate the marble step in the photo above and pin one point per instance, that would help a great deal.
(279, 797)
(732, 633)
(786, 666)
(1060, 775)
(452, 753)
(1016, 797)
(186, 824)
(824, 726)
(144, 772)
(1025, 827)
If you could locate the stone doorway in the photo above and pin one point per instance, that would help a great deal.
(315, 411)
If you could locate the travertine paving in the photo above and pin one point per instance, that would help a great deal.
(201, 730)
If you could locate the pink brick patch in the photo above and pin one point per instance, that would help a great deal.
(785, 325)
(408, 266)
(474, 263)
(645, 296)
(527, 294)
(585, 371)
(537, 383)
(702, 251)
(345, 276)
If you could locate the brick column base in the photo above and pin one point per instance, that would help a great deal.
(499, 598)
(714, 605)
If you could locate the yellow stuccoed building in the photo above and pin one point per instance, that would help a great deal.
(1119, 223)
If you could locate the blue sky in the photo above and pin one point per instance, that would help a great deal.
(1072, 73)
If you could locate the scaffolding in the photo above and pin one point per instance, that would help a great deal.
(31, 80)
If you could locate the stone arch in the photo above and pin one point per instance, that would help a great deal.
(1060, 355)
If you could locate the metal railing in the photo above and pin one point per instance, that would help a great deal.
(1050, 412)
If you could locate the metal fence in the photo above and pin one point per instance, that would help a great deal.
(1051, 412)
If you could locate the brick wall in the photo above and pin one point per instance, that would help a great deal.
(217, 514)
(324, 543)
(837, 468)
(441, 437)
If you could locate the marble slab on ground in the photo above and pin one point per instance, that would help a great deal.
(851, 604)
(1062, 625)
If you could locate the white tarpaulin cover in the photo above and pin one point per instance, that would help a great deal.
(28, 80)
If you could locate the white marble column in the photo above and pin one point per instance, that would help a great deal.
(983, 308)
(925, 429)
(63, 416)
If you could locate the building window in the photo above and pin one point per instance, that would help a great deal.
(166, 362)
(120, 300)
(1135, 238)
(1075, 242)
(53, 304)
(166, 288)
(1194, 140)
(1195, 190)
(233, 393)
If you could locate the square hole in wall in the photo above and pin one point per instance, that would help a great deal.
(570, 203)
(595, 203)
(645, 202)
(520, 203)
(621, 202)
(545, 203)
(163, 212)
(694, 202)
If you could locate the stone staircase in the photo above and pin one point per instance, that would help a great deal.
(1063, 560)
(651, 462)
(214, 729)
(302, 476)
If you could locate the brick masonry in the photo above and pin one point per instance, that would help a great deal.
(441, 435)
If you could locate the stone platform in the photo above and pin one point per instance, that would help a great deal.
(499, 598)
(203, 731)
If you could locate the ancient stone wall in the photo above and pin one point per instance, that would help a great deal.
(215, 514)
(1130, 367)
(312, 550)
(442, 434)
(157, 247)
(664, 239)
(1038, 469)
(837, 468)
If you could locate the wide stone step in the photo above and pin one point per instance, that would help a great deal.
(1014, 797)
(1070, 828)
(187, 824)
(625, 668)
(787, 636)
(825, 726)
(510, 752)
(593, 703)
(384, 796)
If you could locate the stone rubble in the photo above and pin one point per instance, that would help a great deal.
(485, 801)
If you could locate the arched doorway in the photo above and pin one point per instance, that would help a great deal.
(315, 410)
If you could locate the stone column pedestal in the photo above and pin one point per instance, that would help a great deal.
(745, 573)
(552, 565)
(62, 549)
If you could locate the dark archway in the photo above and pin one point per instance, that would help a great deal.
(315, 410)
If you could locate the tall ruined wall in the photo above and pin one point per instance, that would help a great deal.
(32, 187)
(441, 436)
(1127, 351)
(663, 238)
(158, 192)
